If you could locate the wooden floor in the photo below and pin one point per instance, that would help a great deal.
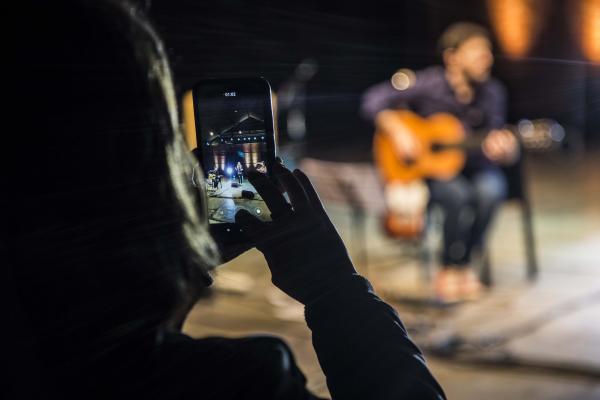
(550, 339)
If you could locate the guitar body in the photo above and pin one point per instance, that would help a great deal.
(441, 158)
(440, 129)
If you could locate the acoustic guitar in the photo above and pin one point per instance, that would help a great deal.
(442, 156)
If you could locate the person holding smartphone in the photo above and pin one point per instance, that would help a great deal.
(104, 270)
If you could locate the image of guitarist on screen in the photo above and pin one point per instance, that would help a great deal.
(463, 88)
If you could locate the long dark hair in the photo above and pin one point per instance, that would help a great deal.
(104, 236)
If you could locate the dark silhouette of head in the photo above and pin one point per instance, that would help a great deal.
(105, 237)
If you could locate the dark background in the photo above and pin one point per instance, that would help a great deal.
(219, 113)
(357, 45)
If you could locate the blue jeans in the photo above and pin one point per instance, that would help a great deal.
(469, 202)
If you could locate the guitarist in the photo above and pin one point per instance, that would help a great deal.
(462, 87)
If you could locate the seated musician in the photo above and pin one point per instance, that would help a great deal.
(239, 172)
(464, 88)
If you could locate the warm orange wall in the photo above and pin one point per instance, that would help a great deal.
(516, 23)
(590, 29)
(189, 123)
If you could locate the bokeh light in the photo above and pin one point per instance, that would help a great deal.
(516, 23)
(590, 28)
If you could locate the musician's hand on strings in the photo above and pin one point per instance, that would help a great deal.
(407, 145)
(501, 146)
(304, 252)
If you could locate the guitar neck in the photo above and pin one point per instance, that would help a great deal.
(468, 144)
(539, 135)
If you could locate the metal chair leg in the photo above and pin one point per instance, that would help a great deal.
(485, 274)
(530, 251)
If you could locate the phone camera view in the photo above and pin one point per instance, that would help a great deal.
(235, 138)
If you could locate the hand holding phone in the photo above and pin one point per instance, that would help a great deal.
(305, 254)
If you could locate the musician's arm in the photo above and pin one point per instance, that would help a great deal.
(497, 105)
(380, 100)
(390, 124)
(500, 145)
(384, 96)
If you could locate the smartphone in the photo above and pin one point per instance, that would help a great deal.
(234, 134)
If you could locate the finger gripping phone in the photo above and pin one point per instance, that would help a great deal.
(234, 134)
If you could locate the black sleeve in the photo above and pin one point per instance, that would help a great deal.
(364, 349)
(217, 368)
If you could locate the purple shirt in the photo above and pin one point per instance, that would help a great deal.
(431, 93)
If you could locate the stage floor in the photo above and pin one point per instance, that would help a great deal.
(226, 200)
(544, 325)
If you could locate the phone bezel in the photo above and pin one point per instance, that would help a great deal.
(230, 232)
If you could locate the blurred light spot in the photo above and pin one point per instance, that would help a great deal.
(516, 23)
(525, 127)
(307, 69)
(296, 125)
(403, 79)
(258, 211)
(557, 132)
(590, 29)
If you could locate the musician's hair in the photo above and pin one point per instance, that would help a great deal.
(457, 33)
(103, 230)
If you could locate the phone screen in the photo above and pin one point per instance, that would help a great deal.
(234, 131)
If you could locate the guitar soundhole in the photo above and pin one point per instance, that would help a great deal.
(437, 147)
